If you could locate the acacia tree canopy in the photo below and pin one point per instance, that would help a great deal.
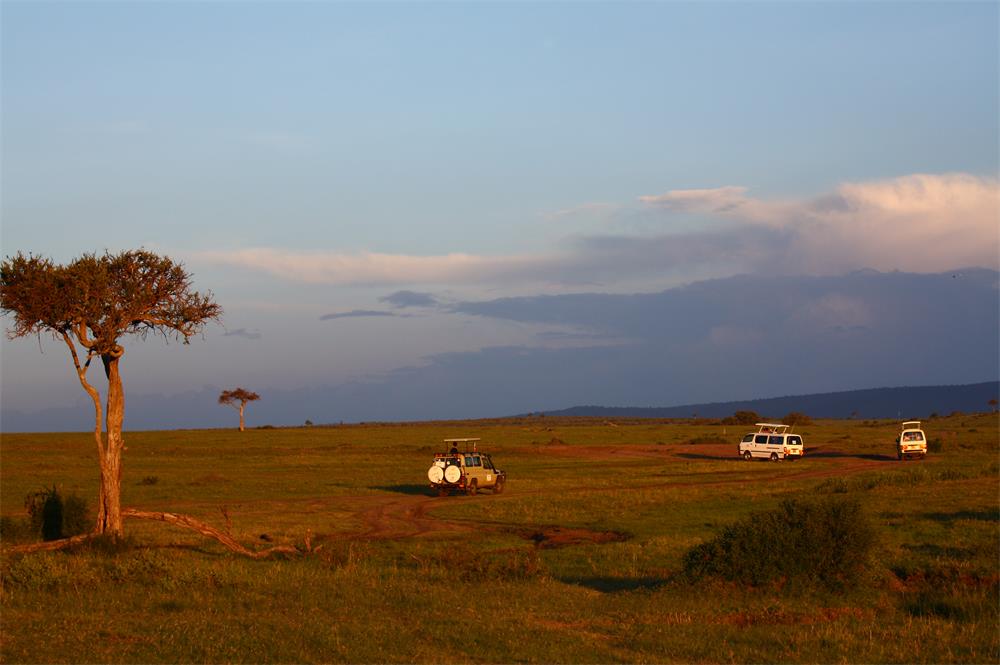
(230, 397)
(93, 302)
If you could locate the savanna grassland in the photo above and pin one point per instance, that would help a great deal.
(581, 559)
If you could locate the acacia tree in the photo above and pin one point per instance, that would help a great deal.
(231, 397)
(91, 303)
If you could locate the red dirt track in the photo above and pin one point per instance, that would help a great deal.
(402, 516)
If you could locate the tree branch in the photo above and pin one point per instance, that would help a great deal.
(204, 529)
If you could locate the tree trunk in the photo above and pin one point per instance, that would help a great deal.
(110, 510)
(243, 405)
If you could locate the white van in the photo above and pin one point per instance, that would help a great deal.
(771, 441)
(911, 442)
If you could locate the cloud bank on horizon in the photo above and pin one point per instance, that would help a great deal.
(913, 223)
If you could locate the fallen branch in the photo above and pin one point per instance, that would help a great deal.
(51, 545)
(207, 530)
(184, 521)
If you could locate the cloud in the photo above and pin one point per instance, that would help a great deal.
(919, 223)
(916, 223)
(356, 314)
(719, 199)
(371, 268)
(403, 299)
(595, 209)
(242, 332)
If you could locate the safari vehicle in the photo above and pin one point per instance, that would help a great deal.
(911, 442)
(464, 470)
(771, 441)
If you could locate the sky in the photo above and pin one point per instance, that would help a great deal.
(393, 200)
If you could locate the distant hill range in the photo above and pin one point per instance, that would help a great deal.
(912, 402)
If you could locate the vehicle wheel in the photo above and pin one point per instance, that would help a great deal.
(774, 457)
(747, 456)
(498, 488)
(442, 491)
(899, 456)
(473, 488)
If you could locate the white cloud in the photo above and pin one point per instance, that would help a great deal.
(371, 268)
(719, 199)
(916, 223)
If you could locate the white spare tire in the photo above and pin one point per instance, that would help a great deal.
(452, 474)
(435, 474)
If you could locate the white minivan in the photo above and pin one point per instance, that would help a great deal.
(771, 441)
(911, 442)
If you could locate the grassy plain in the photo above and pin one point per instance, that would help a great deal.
(577, 561)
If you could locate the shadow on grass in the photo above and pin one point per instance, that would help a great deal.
(405, 489)
(837, 454)
(615, 584)
(941, 551)
(977, 515)
(714, 458)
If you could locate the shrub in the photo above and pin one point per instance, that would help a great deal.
(54, 516)
(796, 418)
(825, 541)
(934, 445)
(742, 418)
(149, 480)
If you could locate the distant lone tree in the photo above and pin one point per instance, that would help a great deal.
(797, 418)
(993, 404)
(238, 398)
(91, 303)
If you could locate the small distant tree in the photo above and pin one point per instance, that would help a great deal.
(797, 418)
(993, 404)
(90, 304)
(742, 418)
(238, 398)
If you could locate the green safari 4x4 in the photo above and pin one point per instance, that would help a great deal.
(466, 471)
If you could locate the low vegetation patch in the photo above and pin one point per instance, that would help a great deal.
(824, 541)
(49, 515)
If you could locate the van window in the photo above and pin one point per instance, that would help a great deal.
(775, 440)
(760, 438)
(794, 441)
(748, 438)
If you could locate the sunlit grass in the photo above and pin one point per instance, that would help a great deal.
(484, 590)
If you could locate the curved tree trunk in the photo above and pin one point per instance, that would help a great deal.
(81, 372)
(243, 405)
(111, 460)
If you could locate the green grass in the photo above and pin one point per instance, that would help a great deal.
(579, 560)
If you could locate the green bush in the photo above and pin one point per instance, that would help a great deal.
(826, 541)
(934, 445)
(54, 516)
(742, 418)
(796, 418)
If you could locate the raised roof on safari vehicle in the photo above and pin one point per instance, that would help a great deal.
(772, 428)
(911, 424)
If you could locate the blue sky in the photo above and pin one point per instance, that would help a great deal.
(312, 159)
